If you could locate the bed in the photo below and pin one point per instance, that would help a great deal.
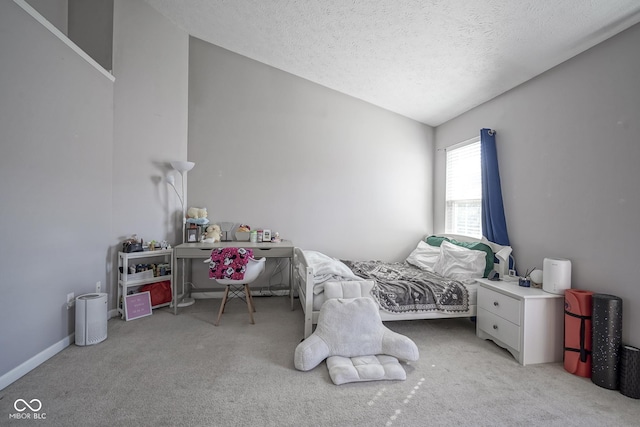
(436, 281)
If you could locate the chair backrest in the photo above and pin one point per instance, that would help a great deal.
(254, 268)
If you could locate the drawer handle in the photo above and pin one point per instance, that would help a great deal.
(495, 326)
(495, 303)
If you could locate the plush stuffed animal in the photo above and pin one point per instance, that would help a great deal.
(212, 234)
(197, 213)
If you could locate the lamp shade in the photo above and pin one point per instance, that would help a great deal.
(503, 256)
(171, 180)
(182, 166)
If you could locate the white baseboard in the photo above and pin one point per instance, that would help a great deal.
(26, 367)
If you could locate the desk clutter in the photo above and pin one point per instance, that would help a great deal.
(201, 230)
(244, 233)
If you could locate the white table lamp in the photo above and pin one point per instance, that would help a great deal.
(503, 256)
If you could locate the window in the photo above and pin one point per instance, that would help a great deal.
(463, 193)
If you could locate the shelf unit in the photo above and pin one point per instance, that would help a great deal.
(127, 281)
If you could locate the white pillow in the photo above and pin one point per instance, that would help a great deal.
(424, 256)
(459, 263)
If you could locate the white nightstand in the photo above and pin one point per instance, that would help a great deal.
(528, 322)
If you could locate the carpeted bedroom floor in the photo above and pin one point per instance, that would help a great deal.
(166, 370)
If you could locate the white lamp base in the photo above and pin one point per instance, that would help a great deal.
(184, 302)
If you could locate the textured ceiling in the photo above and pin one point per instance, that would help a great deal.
(427, 60)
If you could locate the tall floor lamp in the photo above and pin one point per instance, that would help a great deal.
(183, 167)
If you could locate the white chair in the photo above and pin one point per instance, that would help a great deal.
(254, 268)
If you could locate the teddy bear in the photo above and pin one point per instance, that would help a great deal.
(197, 213)
(212, 234)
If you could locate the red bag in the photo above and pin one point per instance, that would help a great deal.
(160, 292)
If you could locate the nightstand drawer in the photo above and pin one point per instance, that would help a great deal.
(499, 328)
(499, 304)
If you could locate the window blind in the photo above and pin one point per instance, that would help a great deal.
(463, 194)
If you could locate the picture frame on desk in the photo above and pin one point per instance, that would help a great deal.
(193, 235)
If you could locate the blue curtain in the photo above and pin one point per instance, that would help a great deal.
(494, 225)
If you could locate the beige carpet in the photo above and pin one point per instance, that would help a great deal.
(166, 370)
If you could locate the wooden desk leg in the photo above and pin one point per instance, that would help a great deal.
(224, 301)
(247, 294)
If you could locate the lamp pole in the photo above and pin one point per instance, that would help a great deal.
(183, 167)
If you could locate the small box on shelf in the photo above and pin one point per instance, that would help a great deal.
(148, 274)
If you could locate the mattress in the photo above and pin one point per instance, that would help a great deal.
(320, 298)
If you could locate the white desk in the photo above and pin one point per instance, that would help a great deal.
(191, 251)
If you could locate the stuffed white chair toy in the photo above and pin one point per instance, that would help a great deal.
(350, 328)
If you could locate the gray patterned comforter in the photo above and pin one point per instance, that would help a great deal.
(403, 288)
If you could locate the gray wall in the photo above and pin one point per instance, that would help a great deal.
(54, 11)
(91, 28)
(83, 161)
(88, 23)
(325, 170)
(56, 116)
(569, 150)
(150, 63)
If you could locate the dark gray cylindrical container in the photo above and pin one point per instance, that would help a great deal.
(606, 328)
(630, 371)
